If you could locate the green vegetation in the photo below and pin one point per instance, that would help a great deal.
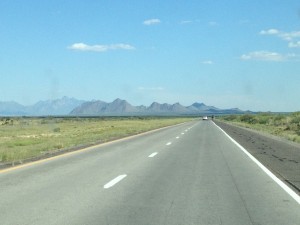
(23, 138)
(283, 125)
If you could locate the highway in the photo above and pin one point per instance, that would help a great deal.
(192, 173)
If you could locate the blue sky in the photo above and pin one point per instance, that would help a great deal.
(237, 53)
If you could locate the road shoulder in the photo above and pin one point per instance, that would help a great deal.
(280, 156)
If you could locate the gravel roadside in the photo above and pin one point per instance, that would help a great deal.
(280, 156)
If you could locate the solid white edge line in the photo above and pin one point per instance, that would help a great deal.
(114, 181)
(152, 155)
(287, 189)
(169, 143)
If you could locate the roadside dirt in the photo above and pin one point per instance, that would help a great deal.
(282, 157)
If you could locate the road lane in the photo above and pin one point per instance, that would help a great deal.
(203, 187)
(202, 178)
(52, 191)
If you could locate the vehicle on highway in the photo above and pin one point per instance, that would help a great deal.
(204, 118)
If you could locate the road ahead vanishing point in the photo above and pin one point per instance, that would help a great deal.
(186, 174)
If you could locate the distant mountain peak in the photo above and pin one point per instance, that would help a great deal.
(61, 106)
(119, 100)
(197, 104)
(72, 106)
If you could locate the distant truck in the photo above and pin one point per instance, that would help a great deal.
(204, 118)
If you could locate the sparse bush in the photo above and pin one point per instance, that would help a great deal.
(7, 121)
(56, 129)
(263, 120)
(285, 125)
(296, 114)
(249, 119)
(44, 121)
(296, 120)
(278, 120)
(231, 117)
(58, 146)
(3, 157)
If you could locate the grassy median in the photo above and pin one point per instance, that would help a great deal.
(285, 125)
(23, 138)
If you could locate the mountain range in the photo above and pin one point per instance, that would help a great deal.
(74, 107)
(122, 107)
(54, 107)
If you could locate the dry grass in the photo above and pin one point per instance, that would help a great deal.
(23, 138)
(283, 125)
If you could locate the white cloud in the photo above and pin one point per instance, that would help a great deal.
(289, 36)
(294, 44)
(209, 62)
(264, 56)
(151, 22)
(292, 37)
(269, 32)
(100, 48)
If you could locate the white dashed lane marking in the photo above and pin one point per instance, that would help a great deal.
(153, 154)
(114, 181)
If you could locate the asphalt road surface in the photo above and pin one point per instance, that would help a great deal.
(187, 174)
(280, 156)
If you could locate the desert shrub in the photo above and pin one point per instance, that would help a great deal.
(249, 119)
(278, 120)
(231, 117)
(44, 121)
(58, 146)
(7, 121)
(263, 120)
(296, 120)
(56, 129)
(3, 157)
(296, 114)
